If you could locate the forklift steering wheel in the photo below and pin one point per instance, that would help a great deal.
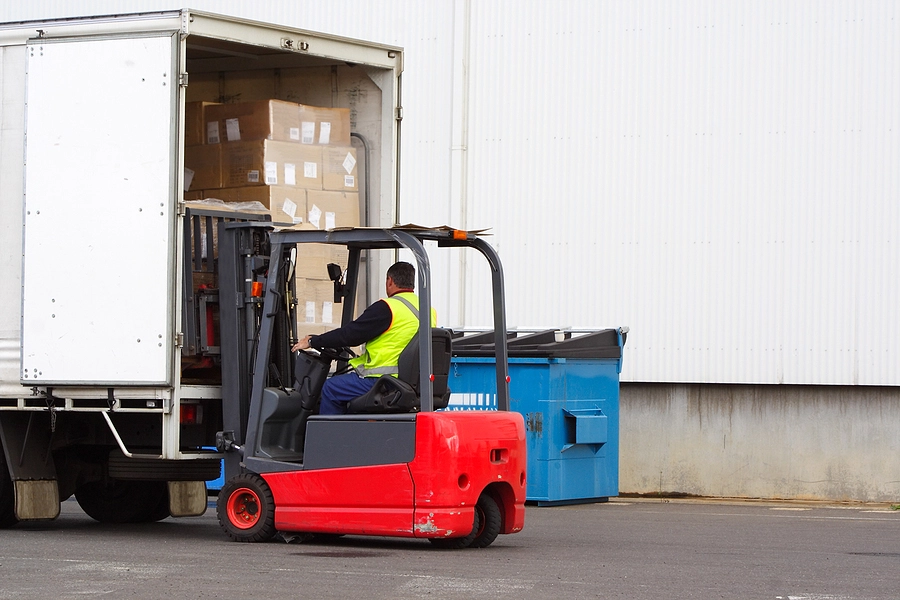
(343, 353)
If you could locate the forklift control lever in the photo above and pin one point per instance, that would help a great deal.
(225, 442)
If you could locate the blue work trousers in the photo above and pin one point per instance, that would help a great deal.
(341, 389)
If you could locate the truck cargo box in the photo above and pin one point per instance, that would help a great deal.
(108, 277)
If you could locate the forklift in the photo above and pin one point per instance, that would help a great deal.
(398, 464)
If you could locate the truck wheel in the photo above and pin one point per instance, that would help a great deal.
(458, 543)
(7, 496)
(489, 528)
(123, 501)
(246, 509)
(161, 511)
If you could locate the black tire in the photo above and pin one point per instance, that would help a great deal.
(458, 543)
(162, 509)
(489, 529)
(246, 509)
(123, 501)
(7, 496)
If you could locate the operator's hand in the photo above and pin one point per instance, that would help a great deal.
(301, 345)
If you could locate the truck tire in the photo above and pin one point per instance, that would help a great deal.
(7, 496)
(161, 511)
(246, 509)
(123, 501)
(458, 543)
(490, 521)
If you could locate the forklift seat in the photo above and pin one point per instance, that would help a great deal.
(401, 394)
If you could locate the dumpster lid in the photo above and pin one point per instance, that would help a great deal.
(550, 343)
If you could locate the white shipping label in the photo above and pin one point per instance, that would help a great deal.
(290, 174)
(329, 220)
(310, 311)
(188, 178)
(294, 133)
(212, 132)
(327, 310)
(349, 163)
(308, 132)
(310, 170)
(349, 181)
(289, 208)
(232, 130)
(271, 173)
(315, 214)
(253, 176)
(325, 133)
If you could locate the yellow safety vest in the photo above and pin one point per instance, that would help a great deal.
(382, 354)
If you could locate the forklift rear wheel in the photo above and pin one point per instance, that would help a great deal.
(122, 501)
(458, 543)
(246, 509)
(489, 516)
(7, 496)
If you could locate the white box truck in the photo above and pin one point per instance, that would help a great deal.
(109, 364)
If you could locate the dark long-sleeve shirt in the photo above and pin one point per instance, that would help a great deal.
(374, 321)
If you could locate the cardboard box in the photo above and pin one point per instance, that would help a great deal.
(329, 210)
(313, 259)
(195, 122)
(324, 126)
(315, 301)
(305, 329)
(285, 204)
(339, 170)
(267, 162)
(250, 121)
(202, 167)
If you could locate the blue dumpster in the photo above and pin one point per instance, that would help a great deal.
(568, 393)
(216, 484)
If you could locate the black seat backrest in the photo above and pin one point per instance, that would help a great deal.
(441, 352)
(401, 394)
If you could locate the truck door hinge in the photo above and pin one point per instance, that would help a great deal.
(399, 113)
(179, 340)
(183, 80)
(180, 208)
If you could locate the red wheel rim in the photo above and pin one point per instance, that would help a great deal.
(243, 508)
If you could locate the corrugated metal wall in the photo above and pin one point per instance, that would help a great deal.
(720, 177)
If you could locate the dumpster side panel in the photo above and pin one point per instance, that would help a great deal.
(571, 411)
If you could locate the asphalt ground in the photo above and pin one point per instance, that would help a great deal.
(621, 549)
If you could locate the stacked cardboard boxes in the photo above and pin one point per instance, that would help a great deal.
(295, 160)
(276, 153)
(202, 163)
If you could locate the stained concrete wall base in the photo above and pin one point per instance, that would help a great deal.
(813, 443)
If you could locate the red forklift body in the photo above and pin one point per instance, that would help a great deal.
(458, 455)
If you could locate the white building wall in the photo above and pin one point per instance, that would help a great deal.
(720, 177)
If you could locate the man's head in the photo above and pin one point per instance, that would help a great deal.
(401, 277)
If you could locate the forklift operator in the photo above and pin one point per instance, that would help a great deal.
(385, 327)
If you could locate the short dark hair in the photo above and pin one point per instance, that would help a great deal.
(403, 274)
